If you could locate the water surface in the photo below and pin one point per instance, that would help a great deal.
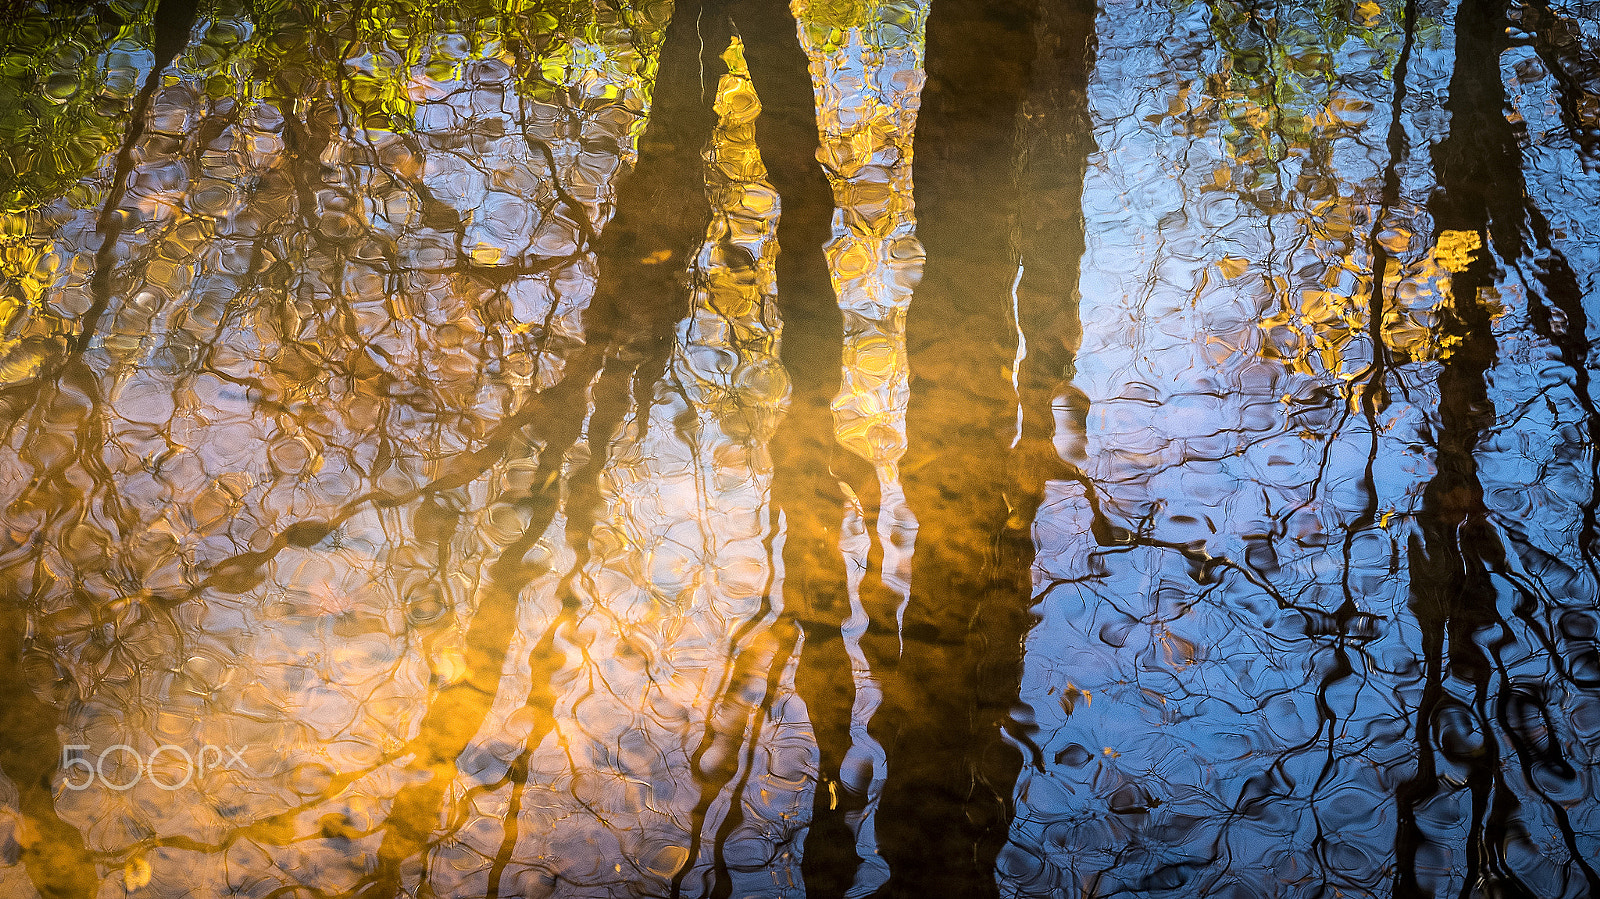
(493, 448)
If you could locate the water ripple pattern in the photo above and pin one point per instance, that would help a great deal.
(491, 448)
(1311, 647)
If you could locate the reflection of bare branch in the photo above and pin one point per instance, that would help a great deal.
(1561, 46)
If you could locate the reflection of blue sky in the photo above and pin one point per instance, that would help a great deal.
(1183, 404)
(1537, 461)
(1178, 714)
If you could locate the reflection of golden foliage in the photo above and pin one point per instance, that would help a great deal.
(1455, 250)
(732, 339)
(869, 79)
(29, 332)
(1232, 266)
(1314, 336)
(884, 24)
(68, 74)
(1276, 90)
(390, 53)
(1279, 104)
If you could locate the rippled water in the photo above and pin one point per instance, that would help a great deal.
(466, 449)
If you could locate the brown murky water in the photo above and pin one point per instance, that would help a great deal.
(506, 448)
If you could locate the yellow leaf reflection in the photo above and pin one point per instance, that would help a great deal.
(1317, 334)
(1455, 250)
(136, 873)
(31, 332)
(875, 260)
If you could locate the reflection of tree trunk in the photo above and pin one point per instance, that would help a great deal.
(1055, 141)
(996, 73)
(638, 299)
(1451, 593)
(808, 466)
(1559, 43)
(30, 753)
(1480, 190)
(1563, 292)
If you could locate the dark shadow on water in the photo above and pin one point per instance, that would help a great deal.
(1001, 149)
(808, 465)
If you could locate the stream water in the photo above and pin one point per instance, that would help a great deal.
(529, 448)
